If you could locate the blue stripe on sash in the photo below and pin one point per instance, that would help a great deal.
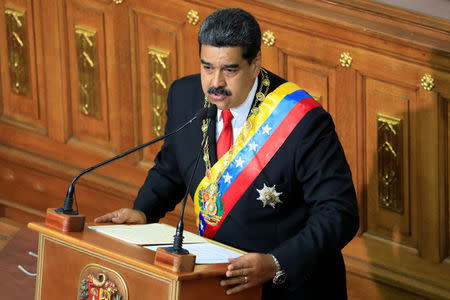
(259, 138)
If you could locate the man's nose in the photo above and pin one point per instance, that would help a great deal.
(218, 80)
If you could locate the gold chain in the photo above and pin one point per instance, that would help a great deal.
(260, 96)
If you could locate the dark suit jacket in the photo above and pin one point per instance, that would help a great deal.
(318, 215)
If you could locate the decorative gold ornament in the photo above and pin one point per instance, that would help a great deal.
(316, 97)
(193, 17)
(390, 163)
(88, 72)
(260, 96)
(118, 1)
(18, 56)
(268, 38)
(159, 71)
(427, 82)
(346, 59)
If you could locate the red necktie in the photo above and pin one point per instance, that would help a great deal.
(226, 136)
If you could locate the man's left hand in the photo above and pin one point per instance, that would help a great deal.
(247, 271)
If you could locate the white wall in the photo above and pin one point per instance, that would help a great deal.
(436, 8)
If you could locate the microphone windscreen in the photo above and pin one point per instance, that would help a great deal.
(202, 113)
(212, 112)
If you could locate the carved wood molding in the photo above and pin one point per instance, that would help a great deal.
(323, 16)
(388, 11)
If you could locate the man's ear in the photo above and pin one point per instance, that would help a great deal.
(257, 64)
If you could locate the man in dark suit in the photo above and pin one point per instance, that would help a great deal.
(282, 192)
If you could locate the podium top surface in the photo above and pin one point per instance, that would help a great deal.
(138, 256)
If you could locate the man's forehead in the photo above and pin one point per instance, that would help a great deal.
(212, 52)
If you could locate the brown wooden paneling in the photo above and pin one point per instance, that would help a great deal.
(445, 233)
(46, 139)
(391, 212)
(91, 62)
(318, 80)
(363, 288)
(23, 103)
(39, 189)
(155, 72)
(138, 283)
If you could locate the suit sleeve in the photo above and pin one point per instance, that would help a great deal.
(325, 177)
(163, 188)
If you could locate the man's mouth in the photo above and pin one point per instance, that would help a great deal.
(217, 97)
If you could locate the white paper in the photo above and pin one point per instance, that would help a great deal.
(146, 234)
(206, 253)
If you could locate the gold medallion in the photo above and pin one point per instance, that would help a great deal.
(260, 96)
(248, 125)
(211, 207)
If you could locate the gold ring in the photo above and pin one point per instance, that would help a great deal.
(245, 279)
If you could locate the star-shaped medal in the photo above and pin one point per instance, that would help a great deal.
(269, 196)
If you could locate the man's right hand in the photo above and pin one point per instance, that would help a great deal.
(123, 215)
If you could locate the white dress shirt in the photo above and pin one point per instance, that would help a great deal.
(239, 113)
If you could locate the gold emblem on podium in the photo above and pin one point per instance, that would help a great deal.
(98, 282)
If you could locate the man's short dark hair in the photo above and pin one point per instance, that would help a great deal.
(231, 27)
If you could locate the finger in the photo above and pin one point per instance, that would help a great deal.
(236, 263)
(234, 281)
(120, 217)
(117, 220)
(105, 218)
(237, 289)
(238, 272)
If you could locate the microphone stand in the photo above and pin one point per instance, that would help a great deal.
(177, 247)
(67, 219)
(175, 257)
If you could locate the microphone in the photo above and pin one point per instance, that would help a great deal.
(177, 247)
(68, 201)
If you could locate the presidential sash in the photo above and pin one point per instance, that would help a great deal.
(263, 134)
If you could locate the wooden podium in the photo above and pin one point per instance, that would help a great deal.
(64, 257)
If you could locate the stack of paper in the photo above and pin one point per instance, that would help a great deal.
(159, 235)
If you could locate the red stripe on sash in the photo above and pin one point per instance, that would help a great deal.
(261, 159)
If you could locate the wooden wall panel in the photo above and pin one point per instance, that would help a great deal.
(23, 104)
(89, 30)
(36, 186)
(363, 288)
(157, 66)
(444, 178)
(317, 79)
(391, 212)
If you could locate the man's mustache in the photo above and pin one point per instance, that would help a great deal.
(219, 91)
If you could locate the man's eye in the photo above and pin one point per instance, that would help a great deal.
(230, 71)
